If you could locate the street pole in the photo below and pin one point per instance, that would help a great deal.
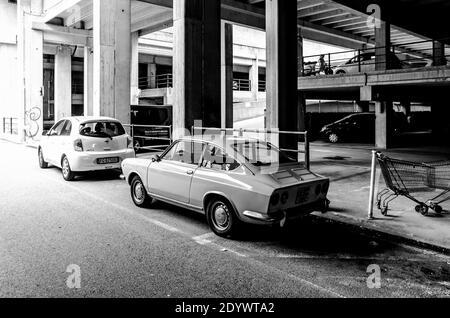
(372, 184)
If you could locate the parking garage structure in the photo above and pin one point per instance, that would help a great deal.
(105, 36)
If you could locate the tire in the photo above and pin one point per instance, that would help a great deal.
(438, 209)
(385, 211)
(67, 172)
(222, 218)
(333, 138)
(422, 209)
(139, 194)
(42, 163)
(137, 145)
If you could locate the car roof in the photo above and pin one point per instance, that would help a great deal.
(86, 119)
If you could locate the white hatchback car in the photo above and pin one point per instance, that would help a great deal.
(80, 144)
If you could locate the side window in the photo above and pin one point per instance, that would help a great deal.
(57, 129)
(215, 158)
(185, 152)
(67, 130)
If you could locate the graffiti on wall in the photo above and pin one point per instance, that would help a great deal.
(32, 126)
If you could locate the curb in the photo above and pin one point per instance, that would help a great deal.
(371, 230)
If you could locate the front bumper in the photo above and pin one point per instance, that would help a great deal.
(87, 161)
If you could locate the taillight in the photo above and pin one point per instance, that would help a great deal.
(284, 197)
(275, 199)
(78, 145)
(325, 188)
(129, 142)
(318, 189)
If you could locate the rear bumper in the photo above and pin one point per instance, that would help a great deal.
(290, 214)
(87, 161)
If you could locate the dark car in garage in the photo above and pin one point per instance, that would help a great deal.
(359, 127)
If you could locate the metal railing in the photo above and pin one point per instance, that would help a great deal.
(10, 126)
(305, 149)
(363, 60)
(244, 85)
(155, 133)
(262, 86)
(158, 81)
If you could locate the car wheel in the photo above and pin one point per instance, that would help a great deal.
(137, 146)
(67, 172)
(42, 163)
(139, 193)
(333, 138)
(222, 218)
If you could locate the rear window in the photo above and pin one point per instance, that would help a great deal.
(102, 129)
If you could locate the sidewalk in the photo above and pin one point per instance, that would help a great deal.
(349, 195)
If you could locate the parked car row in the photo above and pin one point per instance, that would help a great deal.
(211, 175)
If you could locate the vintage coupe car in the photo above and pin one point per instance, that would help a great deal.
(232, 180)
(79, 144)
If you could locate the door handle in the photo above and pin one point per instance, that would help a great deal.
(190, 172)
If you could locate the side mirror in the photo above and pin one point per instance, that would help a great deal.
(156, 158)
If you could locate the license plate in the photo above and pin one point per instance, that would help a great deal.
(104, 161)
(302, 195)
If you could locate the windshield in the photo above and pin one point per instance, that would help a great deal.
(261, 154)
(102, 129)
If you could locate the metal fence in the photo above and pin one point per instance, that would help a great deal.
(10, 126)
(303, 146)
(158, 81)
(159, 137)
(242, 85)
(422, 55)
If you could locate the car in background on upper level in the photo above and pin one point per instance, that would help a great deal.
(80, 144)
(365, 62)
(231, 180)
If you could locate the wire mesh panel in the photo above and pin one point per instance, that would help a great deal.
(406, 177)
(440, 178)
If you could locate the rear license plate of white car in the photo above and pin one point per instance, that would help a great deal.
(302, 195)
(104, 161)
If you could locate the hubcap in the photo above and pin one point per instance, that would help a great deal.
(334, 138)
(139, 192)
(221, 216)
(65, 167)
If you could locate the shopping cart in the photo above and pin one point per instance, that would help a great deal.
(403, 178)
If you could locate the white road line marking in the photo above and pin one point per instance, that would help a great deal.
(254, 261)
(203, 239)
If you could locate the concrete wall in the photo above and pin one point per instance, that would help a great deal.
(9, 90)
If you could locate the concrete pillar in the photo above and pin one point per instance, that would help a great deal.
(439, 58)
(88, 81)
(281, 38)
(299, 53)
(31, 69)
(151, 74)
(227, 75)
(383, 46)
(196, 63)
(383, 135)
(63, 82)
(254, 78)
(112, 56)
(134, 69)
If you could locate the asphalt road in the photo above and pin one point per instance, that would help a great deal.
(46, 225)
